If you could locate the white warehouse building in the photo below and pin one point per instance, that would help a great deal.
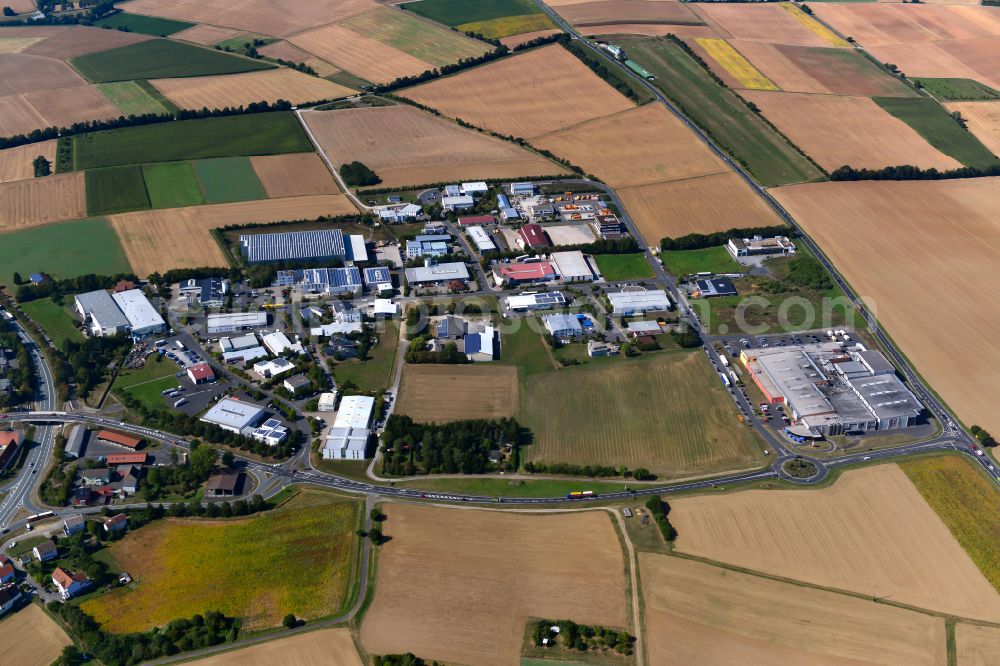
(636, 302)
(143, 319)
(348, 438)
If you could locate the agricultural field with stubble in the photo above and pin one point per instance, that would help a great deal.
(496, 19)
(440, 393)
(188, 566)
(313, 648)
(33, 638)
(666, 411)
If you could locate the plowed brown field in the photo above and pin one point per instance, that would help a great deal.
(758, 22)
(649, 29)
(515, 40)
(23, 73)
(325, 647)
(437, 393)
(360, 55)
(294, 175)
(871, 533)
(159, 240)
(695, 205)
(983, 119)
(877, 24)
(285, 51)
(700, 614)
(267, 17)
(16, 163)
(33, 638)
(553, 103)
(80, 40)
(459, 585)
(18, 117)
(206, 35)
(17, 44)
(407, 146)
(608, 12)
(29, 203)
(977, 645)
(638, 146)
(935, 235)
(64, 106)
(269, 85)
(855, 131)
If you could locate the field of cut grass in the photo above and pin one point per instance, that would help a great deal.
(146, 384)
(935, 124)
(769, 157)
(375, 373)
(171, 185)
(624, 266)
(295, 559)
(526, 349)
(456, 12)
(161, 59)
(968, 504)
(689, 262)
(144, 25)
(116, 190)
(55, 319)
(228, 179)
(256, 134)
(132, 97)
(958, 90)
(63, 250)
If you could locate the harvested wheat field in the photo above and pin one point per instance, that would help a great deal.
(871, 533)
(23, 73)
(294, 175)
(22, 6)
(32, 638)
(421, 38)
(983, 119)
(649, 30)
(982, 55)
(977, 645)
(269, 85)
(878, 24)
(16, 163)
(64, 106)
(29, 203)
(18, 117)
(555, 102)
(516, 40)
(284, 51)
(437, 150)
(610, 12)
(206, 35)
(855, 131)
(158, 240)
(701, 614)
(80, 40)
(17, 44)
(266, 17)
(935, 234)
(775, 23)
(641, 145)
(363, 56)
(440, 393)
(695, 205)
(459, 585)
(325, 647)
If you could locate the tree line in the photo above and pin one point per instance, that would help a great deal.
(984, 438)
(450, 448)
(597, 66)
(581, 637)
(910, 172)
(702, 241)
(592, 471)
(22, 386)
(76, 285)
(660, 509)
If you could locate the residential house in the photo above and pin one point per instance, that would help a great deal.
(96, 477)
(74, 525)
(9, 597)
(45, 551)
(115, 523)
(7, 573)
(70, 584)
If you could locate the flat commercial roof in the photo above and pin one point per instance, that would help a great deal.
(544, 299)
(649, 299)
(292, 245)
(438, 273)
(481, 238)
(377, 275)
(233, 414)
(237, 320)
(572, 265)
(356, 250)
(563, 322)
(355, 411)
(102, 308)
(138, 310)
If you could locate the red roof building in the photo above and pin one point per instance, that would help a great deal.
(201, 373)
(7, 573)
(476, 219)
(532, 235)
(126, 459)
(537, 271)
(124, 285)
(115, 522)
(9, 441)
(119, 439)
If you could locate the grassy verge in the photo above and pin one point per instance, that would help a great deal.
(958, 90)
(512, 487)
(940, 129)
(55, 319)
(624, 266)
(688, 262)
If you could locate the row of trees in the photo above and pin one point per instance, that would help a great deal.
(57, 288)
(570, 469)
(660, 509)
(702, 241)
(910, 172)
(582, 637)
(19, 373)
(450, 448)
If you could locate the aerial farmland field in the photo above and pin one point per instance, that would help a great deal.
(80, 40)
(161, 58)
(419, 38)
(144, 25)
(558, 565)
(439, 393)
(781, 23)
(28, 203)
(228, 179)
(216, 92)
(698, 613)
(983, 119)
(39, 641)
(207, 35)
(171, 185)
(179, 564)
(16, 163)
(977, 645)
(438, 150)
(607, 12)
(500, 18)
(314, 648)
(116, 190)
(940, 129)
(133, 98)
(934, 234)
(294, 175)
(63, 250)
(871, 532)
(365, 57)
(641, 413)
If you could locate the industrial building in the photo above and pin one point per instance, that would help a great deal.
(327, 401)
(270, 432)
(474, 189)
(273, 368)
(428, 245)
(278, 343)
(348, 437)
(143, 319)
(336, 328)
(206, 292)
(472, 220)
(237, 321)
(437, 273)
(481, 238)
(398, 213)
(100, 313)
(234, 415)
(563, 326)
(483, 345)
(293, 246)
(357, 251)
(532, 236)
(776, 246)
(201, 373)
(378, 278)
(537, 207)
(522, 189)
(572, 266)
(523, 273)
(333, 281)
(76, 442)
(831, 390)
(238, 343)
(715, 287)
(460, 202)
(384, 308)
(627, 303)
(509, 214)
(536, 301)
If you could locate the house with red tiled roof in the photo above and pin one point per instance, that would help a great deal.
(115, 523)
(7, 573)
(70, 584)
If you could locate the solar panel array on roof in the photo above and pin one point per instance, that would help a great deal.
(293, 245)
(377, 275)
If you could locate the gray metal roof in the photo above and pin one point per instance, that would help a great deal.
(102, 308)
(293, 245)
(438, 273)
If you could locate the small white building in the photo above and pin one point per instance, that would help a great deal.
(277, 343)
(536, 301)
(481, 238)
(475, 189)
(270, 432)
(273, 368)
(348, 438)
(384, 308)
(237, 321)
(398, 213)
(461, 202)
(327, 401)
(563, 326)
(522, 189)
(336, 328)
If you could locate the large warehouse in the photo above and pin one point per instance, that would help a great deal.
(636, 302)
(234, 415)
(831, 390)
(237, 321)
(293, 246)
(143, 319)
(437, 273)
(348, 438)
(100, 313)
(572, 266)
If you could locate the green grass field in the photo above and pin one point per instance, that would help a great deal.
(63, 250)
(55, 319)
(665, 411)
(171, 184)
(116, 190)
(526, 349)
(968, 504)
(147, 383)
(769, 157)
(295, 559)
(227, 179)
(132, 98)
(935, 124)
(688, 262)
(420, 39)
(375, 373)
(145, 25)
(624, 266)
(457, 12)
(229, 136)
(159, 59)
(958, 90)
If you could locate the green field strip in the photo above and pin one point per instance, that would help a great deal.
(957, 90)
(624, 266)
(940, 129)
(131, 98)
(144, 25)
(116, 189)
(171, 185)
(63, 250)
(506, 26)
(456, 12)
(158, 59)
(228, 179)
